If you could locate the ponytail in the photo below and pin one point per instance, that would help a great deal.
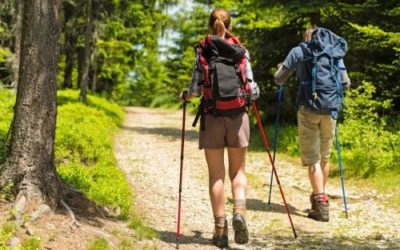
(220, 22)
(219, 27)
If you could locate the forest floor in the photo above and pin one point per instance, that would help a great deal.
(148, 151)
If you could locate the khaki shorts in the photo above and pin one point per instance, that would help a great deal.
(316, 134)
(223, 131)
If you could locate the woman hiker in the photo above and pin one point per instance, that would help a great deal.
(222, 76)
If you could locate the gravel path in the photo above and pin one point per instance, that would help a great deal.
(148, 151)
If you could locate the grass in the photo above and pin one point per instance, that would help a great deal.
(141, 230)
(99, 244)
(384, 180)
(32, 243)
(7, 231)
(255, 180)
(384, 184)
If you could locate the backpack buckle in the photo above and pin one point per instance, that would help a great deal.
(315, 96)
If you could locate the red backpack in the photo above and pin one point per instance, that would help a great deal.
(226, 91)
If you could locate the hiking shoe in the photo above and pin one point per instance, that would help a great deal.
(240, 229)
(321, 211)
(312, 200)
(220, 237)
(220, 241)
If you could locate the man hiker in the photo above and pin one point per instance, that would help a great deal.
(318, 62)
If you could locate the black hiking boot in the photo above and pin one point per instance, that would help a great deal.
(321, 211)
(312, 201)
(240, 229)
(220, 237)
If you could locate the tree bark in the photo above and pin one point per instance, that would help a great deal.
(30, 164)
(70, 44)
(86, 59)
(17, 47)
(94, 77)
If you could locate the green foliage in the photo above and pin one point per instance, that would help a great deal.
(192, 27)
(84, 149)
(32, 243)
(5, 53)
(124, 59)
(83, 146)
(112, 110)
(115, 61)
(7, 231)
(368, 147)
(99, 244)
(7, 99)
(5, 56)
(141, 231)
(148, 81)
(288, 140)
(6, 192)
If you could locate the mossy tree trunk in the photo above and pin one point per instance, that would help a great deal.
(30, 163)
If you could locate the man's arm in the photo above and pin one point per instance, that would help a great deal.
(288, 66)
(282, 74)
(344, 77)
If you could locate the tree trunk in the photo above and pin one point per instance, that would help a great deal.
(70, 42)
(30, 164)
(86, 59)
(94, 78)
(17, 47)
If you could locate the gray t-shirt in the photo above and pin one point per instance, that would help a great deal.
(294, 62)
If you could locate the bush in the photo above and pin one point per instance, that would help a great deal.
(368, 146)
(83, 146)
(288, 140)
(7, 99)
(84, 149)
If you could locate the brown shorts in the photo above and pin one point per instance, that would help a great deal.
(316, 134)
(222, 131)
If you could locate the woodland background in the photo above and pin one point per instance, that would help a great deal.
(140, 53)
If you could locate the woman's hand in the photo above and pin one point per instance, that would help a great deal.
(184, 97)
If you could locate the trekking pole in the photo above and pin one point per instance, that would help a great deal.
(266, 145)
(276, 135)
(178, 226)
(341, 169)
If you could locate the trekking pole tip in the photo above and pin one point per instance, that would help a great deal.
(177, 244)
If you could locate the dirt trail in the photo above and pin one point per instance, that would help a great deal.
(148, 150)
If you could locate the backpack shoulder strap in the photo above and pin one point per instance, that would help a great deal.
(307, 53)
(235, 40)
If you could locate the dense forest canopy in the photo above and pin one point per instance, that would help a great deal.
(126, 65)
(271, 28)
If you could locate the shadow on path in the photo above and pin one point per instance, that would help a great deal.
(274, 240)
(259, 205)
(171, 133)
(197, 238)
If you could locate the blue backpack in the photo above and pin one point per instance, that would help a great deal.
(324, 91)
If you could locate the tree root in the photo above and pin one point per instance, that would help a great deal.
(71, 214)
